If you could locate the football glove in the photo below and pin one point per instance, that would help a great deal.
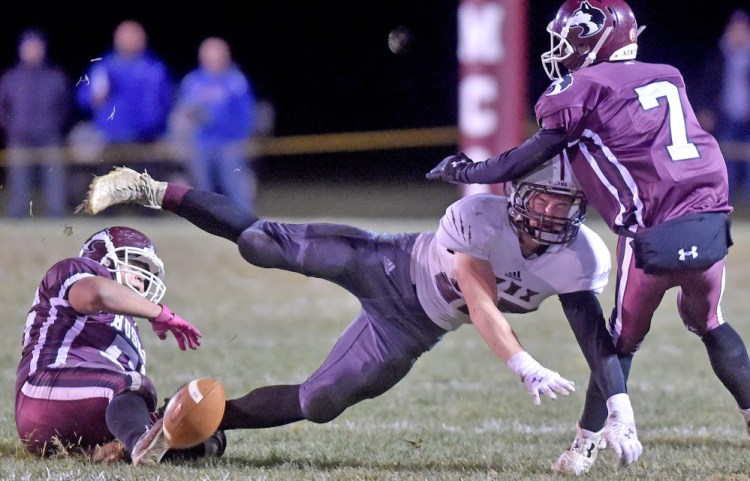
(185, 333)
(451, 169)
(538, 379)
(620, 431)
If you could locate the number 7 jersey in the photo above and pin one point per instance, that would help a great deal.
(634, 143)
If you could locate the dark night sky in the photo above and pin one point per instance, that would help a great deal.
(325, 64)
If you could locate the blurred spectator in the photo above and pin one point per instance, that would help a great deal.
(216, 113)
(129, 91)
(725, 98)
(34, 107)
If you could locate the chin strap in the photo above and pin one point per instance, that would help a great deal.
(592, 55)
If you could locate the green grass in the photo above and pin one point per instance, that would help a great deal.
(460, 414)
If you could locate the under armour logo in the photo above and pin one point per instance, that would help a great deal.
(590, 450)
(693, 252)
(455, 163)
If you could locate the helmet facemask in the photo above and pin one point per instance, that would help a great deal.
(559, 49)
(130, 257)
(546, 229)
(563, 52)
(126, 262)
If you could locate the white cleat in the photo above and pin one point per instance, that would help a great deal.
(122, 186)
(151, 446)
(746, 415)
(581, 455)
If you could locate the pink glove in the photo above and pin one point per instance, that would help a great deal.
(184, 332)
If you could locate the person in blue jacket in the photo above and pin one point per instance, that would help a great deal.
(128, 91)
(216, 100)
(129, 94)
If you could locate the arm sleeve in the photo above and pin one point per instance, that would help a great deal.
(585, 316)
(517, 162)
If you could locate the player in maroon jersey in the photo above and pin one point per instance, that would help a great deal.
(655, 176)
(81, 381)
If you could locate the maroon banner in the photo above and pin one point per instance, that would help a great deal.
(492, 99)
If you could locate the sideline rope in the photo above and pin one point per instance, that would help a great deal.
(259, 146)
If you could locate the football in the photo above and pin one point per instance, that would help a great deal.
(193, 414)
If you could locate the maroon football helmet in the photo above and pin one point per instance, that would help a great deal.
(123, 251)
(585, 32)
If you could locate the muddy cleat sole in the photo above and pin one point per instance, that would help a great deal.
(109, 453)
(122, 186)
(746, 416)
(151, 446)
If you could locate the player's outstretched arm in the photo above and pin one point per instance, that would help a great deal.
(94, 294)
(477, 283)
(510, 165)
(585, 316)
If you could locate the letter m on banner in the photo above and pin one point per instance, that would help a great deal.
(492, 96)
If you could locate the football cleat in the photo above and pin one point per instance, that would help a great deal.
(122, 186)
(746, 415)
(581, 455)
(151, 446)
(215, 445)
(108, 453)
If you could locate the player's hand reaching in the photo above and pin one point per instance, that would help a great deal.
(538, 379)
(620, 432)
(451, 169)
(185, 333)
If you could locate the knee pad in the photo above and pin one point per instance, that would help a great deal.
(257, 248)
(319, 406)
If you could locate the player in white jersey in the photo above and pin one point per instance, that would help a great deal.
(490, 255)
(481, 227)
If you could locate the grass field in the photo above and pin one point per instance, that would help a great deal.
(460, 414)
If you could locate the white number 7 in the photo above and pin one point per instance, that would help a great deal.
(648, 95)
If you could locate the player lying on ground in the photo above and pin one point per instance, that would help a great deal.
(81, 380)
(654, 175)
(490, 254)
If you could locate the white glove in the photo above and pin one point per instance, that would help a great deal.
(620, 431)
(538, 379)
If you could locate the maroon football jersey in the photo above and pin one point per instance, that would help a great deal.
(56, 335)
(634, 143)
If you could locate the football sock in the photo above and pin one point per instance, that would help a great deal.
(730, 362)
(595, 412)
(127, 418)
(173, 195)
(595, 408)
(264, 407)
(212, 212)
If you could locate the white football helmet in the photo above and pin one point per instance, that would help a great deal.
(554, 177)
(123, 250)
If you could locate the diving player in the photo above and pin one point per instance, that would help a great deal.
(490, 255)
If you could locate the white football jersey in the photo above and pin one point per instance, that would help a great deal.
(479, 226)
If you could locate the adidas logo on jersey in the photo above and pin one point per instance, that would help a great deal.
(388, 266)
(515, 275)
